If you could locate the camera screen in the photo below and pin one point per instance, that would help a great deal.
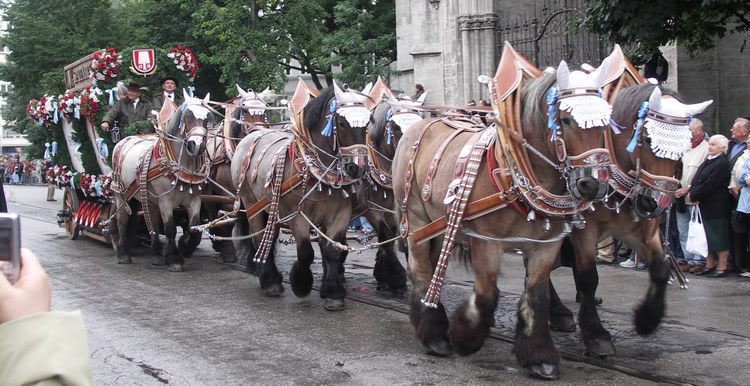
(6, 244)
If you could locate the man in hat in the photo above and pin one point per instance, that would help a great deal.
(168, 87)
(127, 110)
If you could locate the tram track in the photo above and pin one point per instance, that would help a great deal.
(397, 305)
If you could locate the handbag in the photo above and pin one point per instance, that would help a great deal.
(696, 241)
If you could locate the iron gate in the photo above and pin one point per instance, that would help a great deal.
(542, 35)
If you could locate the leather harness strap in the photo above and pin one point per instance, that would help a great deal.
(432, 169)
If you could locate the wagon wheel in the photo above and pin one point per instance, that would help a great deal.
(108, 239)
(70, 207)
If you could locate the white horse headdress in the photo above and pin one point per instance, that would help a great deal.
(254, 102)
(667, 124)
(196, 105)
(579, 94)
(351, 106)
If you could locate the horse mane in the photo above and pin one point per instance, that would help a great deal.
(535, 108)
(173, 124)
(235, 127)
(629, 100)
(378, 122)
(317, 108)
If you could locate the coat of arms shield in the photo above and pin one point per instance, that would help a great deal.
(143, 61)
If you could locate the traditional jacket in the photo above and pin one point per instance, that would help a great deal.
(49, 348)
(709, 188)
(159, 100)
(691, 160)
(125, 113)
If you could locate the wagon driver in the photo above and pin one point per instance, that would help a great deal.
(127, 110)
(168, 87)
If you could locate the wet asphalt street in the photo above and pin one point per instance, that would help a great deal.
(211, 325)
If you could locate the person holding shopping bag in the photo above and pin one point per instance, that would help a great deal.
(708, 190)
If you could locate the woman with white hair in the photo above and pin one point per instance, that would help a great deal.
(708, 190)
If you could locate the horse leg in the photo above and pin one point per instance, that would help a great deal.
(388, 272)
(560, 316)
(244, 249)
(169, 251)
(301, 277)
(431, 324)
(649, 313)
(534, 348)
(122, 217)
(470, 323)
(332, 288)
(268, 274)
(156, 244)
(596, 338)
(190, 238)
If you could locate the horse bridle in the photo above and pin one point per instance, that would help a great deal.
(642, 183)
(593, 163)
(357, 153)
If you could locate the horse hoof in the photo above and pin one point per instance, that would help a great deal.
(274, 291)
(600, 348)
(546, 371)
(124, 260)
(176, 268)
(441, 348)
(562, 323)
(159, 261)
(334, 304)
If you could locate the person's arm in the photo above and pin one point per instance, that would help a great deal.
(111, 115)
(37, 346)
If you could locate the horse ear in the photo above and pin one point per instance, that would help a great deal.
(207, 98)
(265, 94)
(240, 91)
(185, 95)
(367, 89)
(338, 91)
(654, 101)
(563, 76)
(698, 107)
(600, 75)
(422, 97)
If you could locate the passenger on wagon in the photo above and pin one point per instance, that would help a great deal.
(127, 110)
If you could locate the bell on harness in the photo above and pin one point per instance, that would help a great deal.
(114, 132)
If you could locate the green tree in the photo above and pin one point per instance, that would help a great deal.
(646, 25)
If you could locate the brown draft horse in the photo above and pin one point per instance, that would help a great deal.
(648, 197)
(389, 118)
(241, 120)
(327, 155)
(487, 236)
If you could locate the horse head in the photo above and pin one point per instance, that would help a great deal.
(576, 118)
(656, 135)
(391, 116)
(253, 105)
(193, 124)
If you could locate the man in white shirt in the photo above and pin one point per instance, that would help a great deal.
(691, 160)
(168, 87)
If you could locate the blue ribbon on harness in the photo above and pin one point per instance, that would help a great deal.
(328, 130)
(388, 116)
(552, 103)
(642, 112)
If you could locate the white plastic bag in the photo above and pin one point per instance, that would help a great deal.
(696, 241)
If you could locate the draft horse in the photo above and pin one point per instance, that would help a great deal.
(654, 136)
(310, 175)
(163, 171)
(390, 118)
(245, 114)
(507, 174)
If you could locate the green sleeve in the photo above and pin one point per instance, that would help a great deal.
(112, 114)
(49, 348)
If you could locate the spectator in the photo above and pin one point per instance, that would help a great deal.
(38, 346)
(691, 160)
(740, 188)
(419, 90)
(708, 191)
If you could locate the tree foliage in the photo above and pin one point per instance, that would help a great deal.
(646, 25)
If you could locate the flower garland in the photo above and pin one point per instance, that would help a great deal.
(185, 61)
(89, 101)
(105, 65)
(98, 186)
(68, 104)
(35, 111)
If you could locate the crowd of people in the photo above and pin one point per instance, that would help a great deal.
(16, 170)
(714, 180)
